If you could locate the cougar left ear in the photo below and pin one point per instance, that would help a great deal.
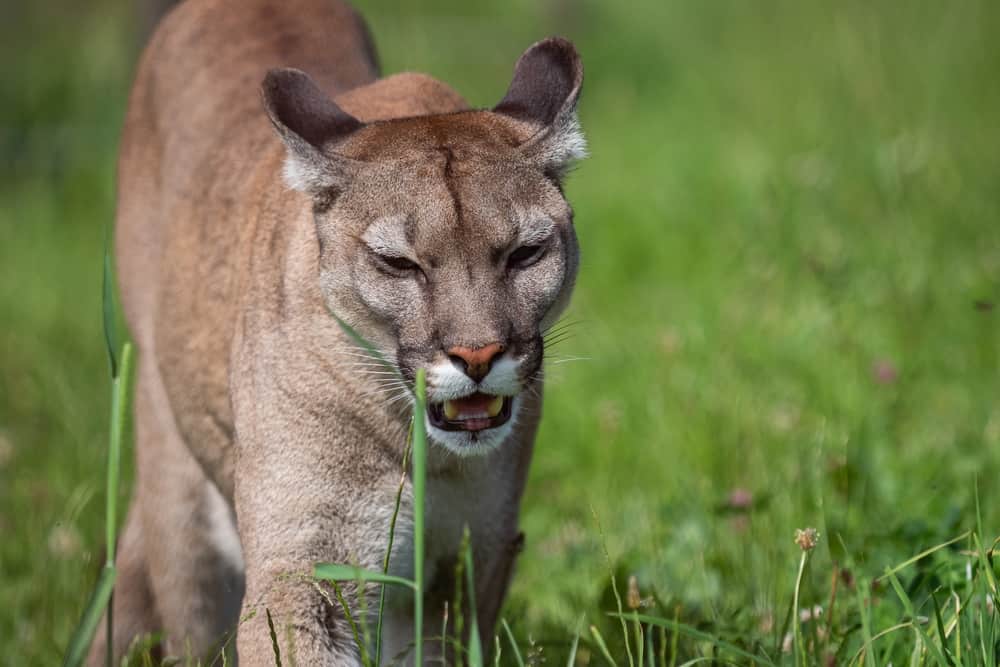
(310, 124)
(544, 92)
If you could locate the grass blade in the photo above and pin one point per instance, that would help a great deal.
(576, 643)
(513, 644)
(119, 403)
(108, 309)
(475, 649)
(419, 468)
(614, 587)
(923, 554)
(986, 562)
(697, 634)
(274, 639)
(599, 640)
(361, 342)
(388, 548)
(911, 612)
(351, 622)
(939, 624)
(84, 633)
(339, 572)
(800, 649)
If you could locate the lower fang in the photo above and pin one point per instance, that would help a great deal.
(450, 410)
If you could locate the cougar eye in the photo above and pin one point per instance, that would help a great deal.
(397, 264)
(524, 256)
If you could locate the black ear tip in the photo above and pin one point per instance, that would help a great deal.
(555, 44)
(284, 79)
(557, 51)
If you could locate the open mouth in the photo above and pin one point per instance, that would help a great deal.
(476, 412)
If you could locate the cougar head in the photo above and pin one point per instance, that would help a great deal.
(445, 240)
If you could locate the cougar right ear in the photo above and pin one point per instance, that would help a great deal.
(544, 92)
(310, 124)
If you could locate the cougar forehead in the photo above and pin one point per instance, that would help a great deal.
(483, 132)
(451, 181)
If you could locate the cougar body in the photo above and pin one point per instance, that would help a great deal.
(251, 217)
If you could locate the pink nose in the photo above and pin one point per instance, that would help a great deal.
(475, 362)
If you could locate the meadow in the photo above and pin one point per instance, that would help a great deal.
(787, 316)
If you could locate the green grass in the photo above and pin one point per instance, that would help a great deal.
(789, 300)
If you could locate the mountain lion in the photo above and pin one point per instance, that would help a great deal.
(266, 440)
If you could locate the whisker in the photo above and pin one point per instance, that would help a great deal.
(562, 324)
(564, 360)
(371, 371)
(558, 338)
(551, 333)
(357, 352)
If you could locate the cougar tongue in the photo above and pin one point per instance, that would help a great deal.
(476, 406)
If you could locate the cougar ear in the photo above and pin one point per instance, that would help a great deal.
(544, 92)
(310, 124)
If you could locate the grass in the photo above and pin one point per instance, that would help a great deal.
(787, 309)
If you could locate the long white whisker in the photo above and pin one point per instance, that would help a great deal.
(563, 360)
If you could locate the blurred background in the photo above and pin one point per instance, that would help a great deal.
(788, 311)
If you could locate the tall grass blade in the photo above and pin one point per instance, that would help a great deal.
(108, 309)
(84, 633)
(388, 548)
(800, 649)
(457, 603)
(513, 644)
(639, 639)
(119, 401)
(571, 661)
(419, 468)
(101, 597)
(614, 587)
(475, 649)
(351, 622)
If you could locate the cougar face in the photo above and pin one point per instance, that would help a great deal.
(446, 240)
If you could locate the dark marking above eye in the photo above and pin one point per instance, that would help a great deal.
(450, 181)
(410, 230)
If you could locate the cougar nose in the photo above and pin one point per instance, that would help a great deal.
(476, 362)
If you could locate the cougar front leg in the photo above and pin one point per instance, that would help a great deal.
(492, 585)
(303, 497)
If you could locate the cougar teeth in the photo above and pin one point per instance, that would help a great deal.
(453, 409)
(493, 409)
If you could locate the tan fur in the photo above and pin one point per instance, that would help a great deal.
(263, 444)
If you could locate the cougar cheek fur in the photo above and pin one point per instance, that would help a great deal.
(270, 182)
